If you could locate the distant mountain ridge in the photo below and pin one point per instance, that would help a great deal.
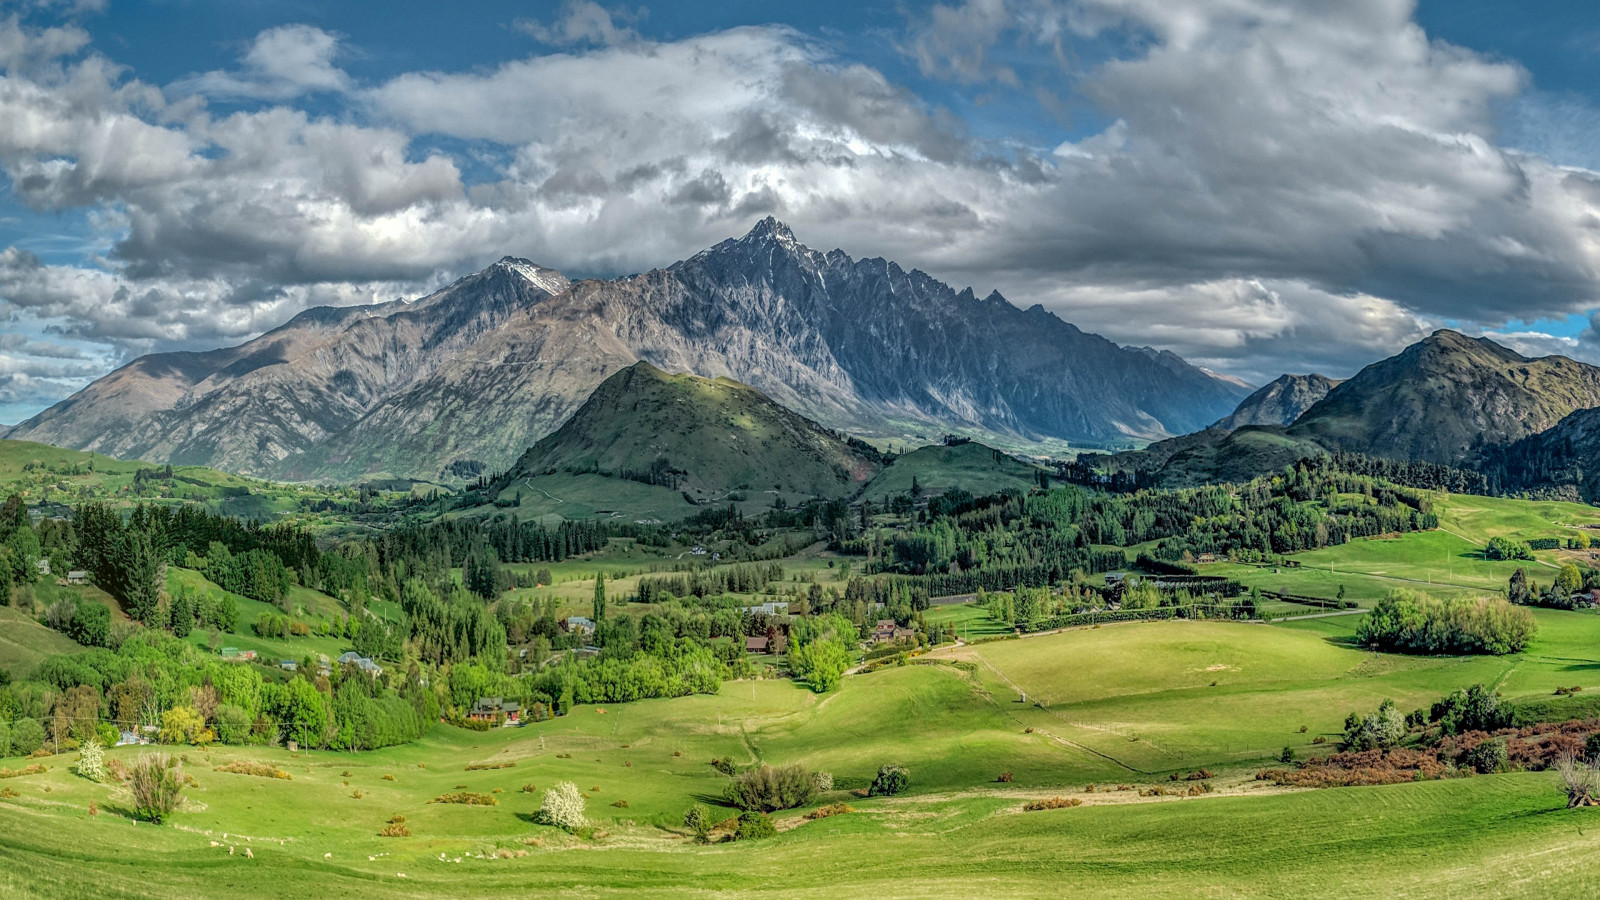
(1279, 402)
(1447, 399)
(468, 378)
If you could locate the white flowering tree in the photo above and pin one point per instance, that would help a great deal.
(562, 807)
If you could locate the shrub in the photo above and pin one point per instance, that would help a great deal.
(1580, 780)
(395, 830)
(35, 769)
(698, 820)
(768, 789)
(92, 760)
(388, 777)
(256, 769)
(562, 807)
(156, 781)
(823, 781)
(754, 825)
(8, 794)
(1487, 757)
(832, 809)
(724, 764)
(1004, 778)
(1380, 730)
(530, 789)
(620, 804)
(892, 779)
(1053, 803)
(467, 798)
(477, 767)
(1591, 747)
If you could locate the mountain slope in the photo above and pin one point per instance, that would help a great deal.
(970, 466)
(703, 437)
(247, 408)
(1564, 459)
(1280, 402)
(861, 345)
(1448, 398)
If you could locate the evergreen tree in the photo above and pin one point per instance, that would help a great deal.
(599, 598)
(138, 577)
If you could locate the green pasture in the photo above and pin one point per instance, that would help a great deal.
(1121, 704)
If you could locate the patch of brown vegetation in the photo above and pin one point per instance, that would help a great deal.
(832, 809)
(1053, 803)
(467, 798)
(34, 769)
(257, 769)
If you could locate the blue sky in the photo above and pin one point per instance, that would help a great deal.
(1260, 185)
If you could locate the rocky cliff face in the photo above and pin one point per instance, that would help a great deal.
(1282, 401)
(476, 373)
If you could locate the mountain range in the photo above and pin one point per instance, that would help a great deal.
(463, 381)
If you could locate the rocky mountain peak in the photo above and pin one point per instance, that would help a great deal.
(770, 229)
(548, 280)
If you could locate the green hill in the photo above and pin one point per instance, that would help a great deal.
(704, 439)
(971, 467)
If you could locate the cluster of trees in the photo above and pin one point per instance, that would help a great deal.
(125, 555)
(1507, 548)
(819, 650)
(1011, 540)
(155, 680)
(1408, 621)
(1562, 593)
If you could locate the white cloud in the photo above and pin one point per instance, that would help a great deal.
(1289, 185)
(282, 63)
(584, 22)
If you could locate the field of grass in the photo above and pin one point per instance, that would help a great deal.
(971, 621)
(1126, 704)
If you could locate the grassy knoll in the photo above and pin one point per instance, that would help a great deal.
(309, 606)
(957, 830)
(24, 642)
